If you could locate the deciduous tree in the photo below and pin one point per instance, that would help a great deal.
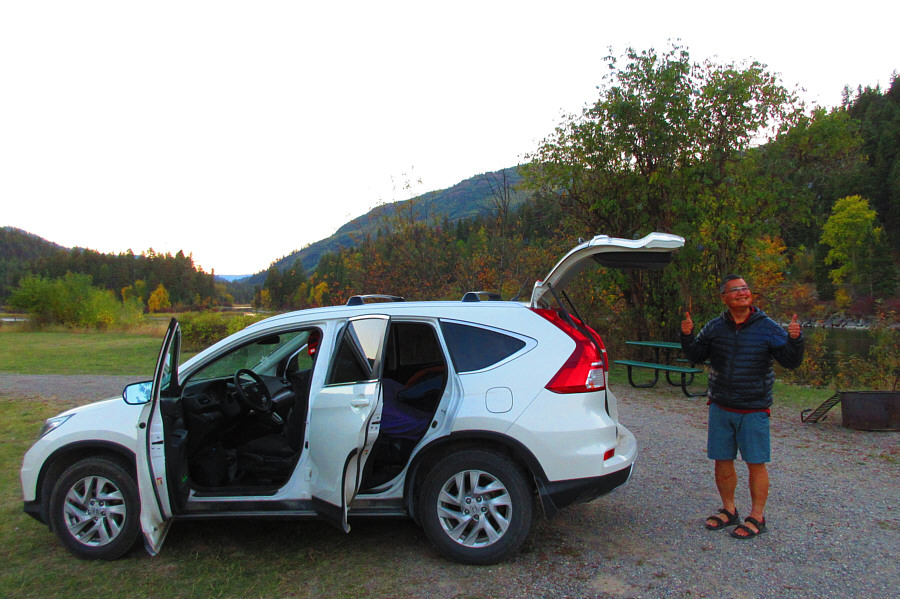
(662, 150)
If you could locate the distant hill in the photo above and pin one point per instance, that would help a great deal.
(466, 199)
(18, 249)
(16, 244)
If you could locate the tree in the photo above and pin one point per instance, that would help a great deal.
(159, 299)
(878, 115)
(855, 242)
(663, 149)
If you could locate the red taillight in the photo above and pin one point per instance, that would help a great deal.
(585, 369)
(609, 454)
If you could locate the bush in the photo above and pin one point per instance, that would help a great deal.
(73, 301)
(814, 371)
(199, 330)
(881, 369)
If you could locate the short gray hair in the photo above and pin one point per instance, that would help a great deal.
(725, 281)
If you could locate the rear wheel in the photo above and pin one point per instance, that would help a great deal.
(476, 507)
(95, 509)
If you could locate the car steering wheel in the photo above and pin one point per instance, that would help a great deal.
(253, 394)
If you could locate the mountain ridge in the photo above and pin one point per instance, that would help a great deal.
(467, 199)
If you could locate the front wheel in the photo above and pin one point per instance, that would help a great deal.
(476, 507)
(95, 509)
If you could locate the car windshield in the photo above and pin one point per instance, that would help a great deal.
(262, 356)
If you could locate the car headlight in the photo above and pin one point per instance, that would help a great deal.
(52, 424)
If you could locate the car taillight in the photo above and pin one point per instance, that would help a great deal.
(585, 369)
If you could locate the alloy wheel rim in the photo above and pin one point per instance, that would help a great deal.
(474, 508)
(94, 511)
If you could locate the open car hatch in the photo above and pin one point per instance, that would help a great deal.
(651, 252)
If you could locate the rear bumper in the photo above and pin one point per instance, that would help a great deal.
(559, 494)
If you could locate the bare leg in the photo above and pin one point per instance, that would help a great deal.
(726, 483)
(759, 491)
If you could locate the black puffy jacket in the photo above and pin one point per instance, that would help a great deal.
(741, 358)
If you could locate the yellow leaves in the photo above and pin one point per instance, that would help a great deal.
(159, 299)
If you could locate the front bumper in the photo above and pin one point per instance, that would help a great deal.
(35, 510)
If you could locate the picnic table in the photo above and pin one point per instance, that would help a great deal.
(663, 362)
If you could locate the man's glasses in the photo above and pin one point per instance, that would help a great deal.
(736, 289)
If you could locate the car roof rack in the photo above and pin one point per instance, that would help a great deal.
(476, 296)
(359, 300)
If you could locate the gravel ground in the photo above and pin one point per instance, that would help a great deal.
(67, 388)
(833, 515)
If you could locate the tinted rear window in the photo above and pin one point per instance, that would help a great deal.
(475, 348)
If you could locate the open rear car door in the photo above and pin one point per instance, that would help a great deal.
(345, 417)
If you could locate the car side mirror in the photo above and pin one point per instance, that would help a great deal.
(137, 393)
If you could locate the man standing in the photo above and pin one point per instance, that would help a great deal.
(740, 345)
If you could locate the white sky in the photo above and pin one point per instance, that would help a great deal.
(242, 131)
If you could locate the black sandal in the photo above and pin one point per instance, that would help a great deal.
(720, 523)
(750, 533)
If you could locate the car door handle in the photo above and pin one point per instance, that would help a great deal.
(360, 402)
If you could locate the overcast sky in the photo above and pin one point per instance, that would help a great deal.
(242, 131)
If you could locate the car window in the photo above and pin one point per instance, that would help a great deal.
(360, 346)
(260, 356)
(476, 348)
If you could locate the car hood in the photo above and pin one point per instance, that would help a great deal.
(105, 406)
(651, 252)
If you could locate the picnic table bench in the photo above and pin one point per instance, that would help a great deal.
(686, 373)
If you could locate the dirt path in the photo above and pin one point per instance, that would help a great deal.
(69, 388)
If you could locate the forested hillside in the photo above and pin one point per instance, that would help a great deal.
(18, 250)
(24, 255)
(467, 199)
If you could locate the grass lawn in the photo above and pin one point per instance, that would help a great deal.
(65, 352)
(784, 394)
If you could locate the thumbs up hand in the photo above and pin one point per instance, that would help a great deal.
(793, 327)
(687, 325)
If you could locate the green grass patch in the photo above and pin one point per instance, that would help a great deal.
(785, 393)
(39, 352)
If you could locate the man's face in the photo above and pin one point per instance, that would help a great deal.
(737, 294)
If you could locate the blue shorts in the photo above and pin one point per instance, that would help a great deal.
(730, 431)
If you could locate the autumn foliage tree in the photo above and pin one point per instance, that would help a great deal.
(662, 150)
(159, 299)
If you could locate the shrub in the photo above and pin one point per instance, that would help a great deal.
(72, 301)
(814, 371)
(881, 369)
(201, 329)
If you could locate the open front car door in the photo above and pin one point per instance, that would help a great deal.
(156, 511)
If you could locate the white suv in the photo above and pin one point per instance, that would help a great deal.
(467, 416)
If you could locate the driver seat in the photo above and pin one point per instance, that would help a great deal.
(274, 455)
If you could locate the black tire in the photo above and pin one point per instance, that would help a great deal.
(95, 509)
(476, 507)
